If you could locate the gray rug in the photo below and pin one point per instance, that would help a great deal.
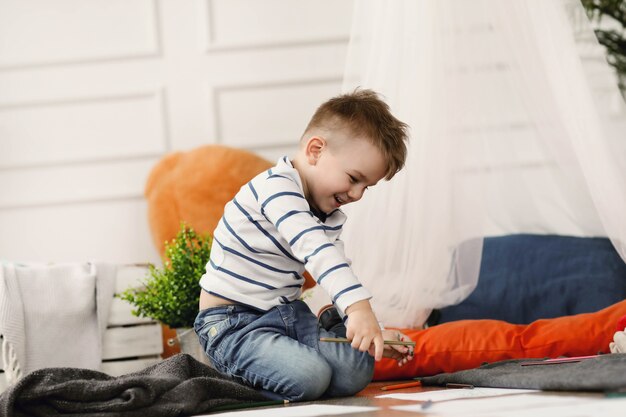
(602, 373)
(177, 386)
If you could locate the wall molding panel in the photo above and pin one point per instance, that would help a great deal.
(63, 184)
(249, 24)
(34, 33)
(244, 119)
(85, 129)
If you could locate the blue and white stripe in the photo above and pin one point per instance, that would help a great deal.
(268, 236)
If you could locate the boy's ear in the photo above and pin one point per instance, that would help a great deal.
(313, 149)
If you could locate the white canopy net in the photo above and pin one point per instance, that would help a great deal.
(517, 126)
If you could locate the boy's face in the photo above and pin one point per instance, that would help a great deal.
(340, 174)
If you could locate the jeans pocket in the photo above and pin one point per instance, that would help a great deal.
(214, 340)
(212, 325)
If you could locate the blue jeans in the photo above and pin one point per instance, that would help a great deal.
(279, 353)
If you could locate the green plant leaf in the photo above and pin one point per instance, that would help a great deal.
(171, 294)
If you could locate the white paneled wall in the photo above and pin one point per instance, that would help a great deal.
(94, 92)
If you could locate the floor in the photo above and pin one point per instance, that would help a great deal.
(368, 396)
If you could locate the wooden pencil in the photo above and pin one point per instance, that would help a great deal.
(387, 342)
(401, 386)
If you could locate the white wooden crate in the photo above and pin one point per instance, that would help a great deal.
(130, 343)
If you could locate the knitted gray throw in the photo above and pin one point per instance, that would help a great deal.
(603, 373)
(177, 386)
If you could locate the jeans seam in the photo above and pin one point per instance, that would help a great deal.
(241, 372)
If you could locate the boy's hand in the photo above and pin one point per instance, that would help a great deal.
(402, 354)
(363, 329)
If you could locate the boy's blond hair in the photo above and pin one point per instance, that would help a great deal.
(364, 113)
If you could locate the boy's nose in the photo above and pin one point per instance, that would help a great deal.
(355, 193)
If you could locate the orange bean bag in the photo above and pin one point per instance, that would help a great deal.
(466, 344)
(194, 186)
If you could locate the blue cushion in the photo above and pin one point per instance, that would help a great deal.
(524, 278)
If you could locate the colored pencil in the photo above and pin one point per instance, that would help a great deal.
(401, 386)
(555, 361)
(344, 340)
(462, 386)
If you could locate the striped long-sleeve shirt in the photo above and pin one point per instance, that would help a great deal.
(268, 236)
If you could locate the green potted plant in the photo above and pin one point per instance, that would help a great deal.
(611, 34)
(170, 294)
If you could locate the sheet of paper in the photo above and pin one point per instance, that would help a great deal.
(593, 408)
(452, 394)
(598, 408)
(510, 405)
(294, 410)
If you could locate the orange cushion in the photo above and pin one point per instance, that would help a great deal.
(467, 344)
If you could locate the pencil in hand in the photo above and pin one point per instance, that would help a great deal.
(387, 342)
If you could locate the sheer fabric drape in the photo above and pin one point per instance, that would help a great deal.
(517, 126)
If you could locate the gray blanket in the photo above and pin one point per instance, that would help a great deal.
(177, 386)
(603, 373)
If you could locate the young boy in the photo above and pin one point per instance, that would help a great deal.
(251, 324)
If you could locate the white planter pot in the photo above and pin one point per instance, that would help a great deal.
(187, 339)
